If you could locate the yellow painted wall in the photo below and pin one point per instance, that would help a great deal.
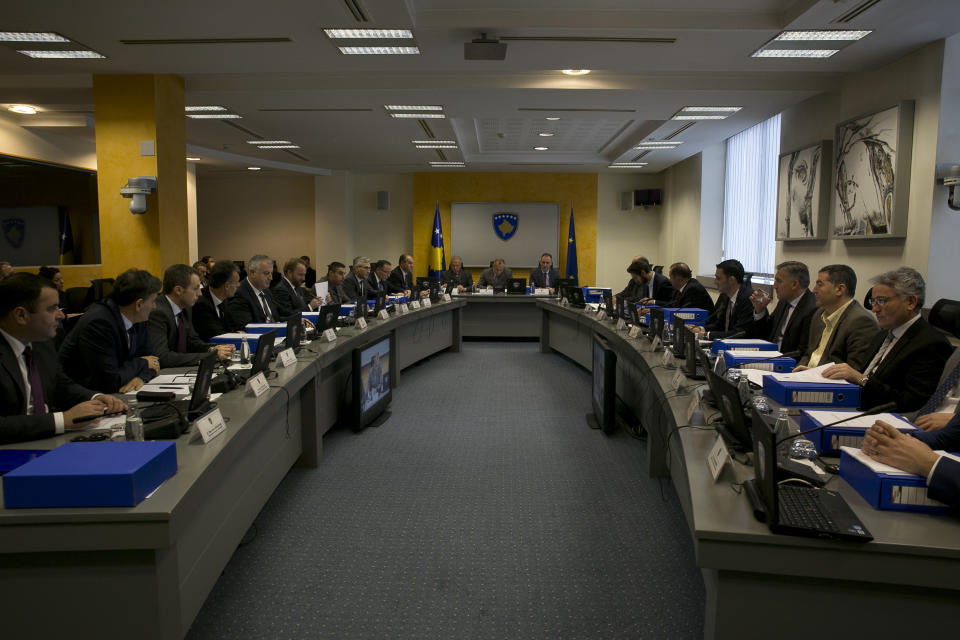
(131, 109)
(566, 189)
(74, 275)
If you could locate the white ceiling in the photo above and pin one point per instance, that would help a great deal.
(332, 105)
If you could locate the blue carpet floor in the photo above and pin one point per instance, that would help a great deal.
(484, 508)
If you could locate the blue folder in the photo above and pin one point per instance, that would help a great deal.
(742, 344)
(778, 365)
(811, 394)
(888, 492)
(828, 441)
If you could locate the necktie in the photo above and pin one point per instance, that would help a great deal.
(546, 279)
(216, 309)
(36, 386)
(877, 359)
(942, 392)
(181, 334)
(268, 317)
(131, 340)
(726, 324)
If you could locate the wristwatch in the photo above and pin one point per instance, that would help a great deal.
(863, 380)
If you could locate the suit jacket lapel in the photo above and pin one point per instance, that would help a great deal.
(901, 344)
(12, 367)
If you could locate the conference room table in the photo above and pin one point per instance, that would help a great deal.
(145, 571)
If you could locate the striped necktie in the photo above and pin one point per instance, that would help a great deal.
(36, 385)
(941, 393)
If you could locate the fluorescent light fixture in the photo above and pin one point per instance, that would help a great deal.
(279, 146)
(253, 168)
(62, 54)
(204, 107)
(31, 36)
(659, 143)
(417, 115)
(259, 142)
(626, 165)
(695, 116)
(213, 116)
(546, 134)
(794, 53)
(192, 159)
(447, 164)
(575, 72)
(814, 34)
(386, 34)
(710, 109)
(24, 109)
(413, 107)
(436, 146)
(552, 118)
(657, 148)
(434, 141)
(379, 51)
(541, 148)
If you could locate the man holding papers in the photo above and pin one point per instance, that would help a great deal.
(908, 356)
(789, 326)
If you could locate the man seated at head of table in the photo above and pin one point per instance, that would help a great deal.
(789, 325)
(37, 400)
(907, 355)
(733, 312)
(496, 276)
(915, 454)
(545, 276)
(174, 340)
(688, 293)
(336, 274)
(209, 312)
(109, 350)
(842, 331)
(253, 302)
(289, 293)
(456, 276)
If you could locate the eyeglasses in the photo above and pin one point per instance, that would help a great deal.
(879, 301)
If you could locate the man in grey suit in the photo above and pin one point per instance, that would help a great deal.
(843, 331)
(496, 276)
(455, 276)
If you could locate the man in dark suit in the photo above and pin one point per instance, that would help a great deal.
(356, 285)
(688, 293)
(36, 399)
(496, 276)
(733, 312)
(109, 350)
(379, 278)
(455, 276)
(916, 455)
(310, 277)
(546, 276)
(174, 341)
(842, 331)
(289, 294)
(253, 302)
(908, 354)
(209, 313)
(336, 274)
(944, 404)
(632, 290)
(789, 326)
(652, 287)
(402, 276)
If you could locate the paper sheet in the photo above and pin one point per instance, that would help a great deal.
(863, 422)
(175, 378)
(752, 355)
(321, 289)
(179, 390)
(809, 375)
(879, 467)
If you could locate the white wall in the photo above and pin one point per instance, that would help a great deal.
(621, 235)
(46, 145)
(680, 237)
(333, 219)
(383, 235)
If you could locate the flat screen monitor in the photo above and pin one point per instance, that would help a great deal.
(696, 363)
(294, 332)
(371, 383)
(380, 303)
(201, 386)
(656, 324)
(634, 313)
(261, 359)
(735, 428)
(564, 283)
(517, 286)
(679, 337)
(327, 317)
(603, 396)
(608, 304)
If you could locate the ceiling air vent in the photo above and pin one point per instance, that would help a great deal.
(856, 12)
(357, 10)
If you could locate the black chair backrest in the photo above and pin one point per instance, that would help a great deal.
(748, 278)
(945, 315)
(101, 288)
(868, 300)
(76, 299)
(658, 269)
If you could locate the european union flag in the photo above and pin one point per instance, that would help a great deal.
(66, 239)
(437, 260)
(572, 253)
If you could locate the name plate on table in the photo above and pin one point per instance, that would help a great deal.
(485, 292)
(693, 406)
(717, 458)
(361, 323)
(656, 344)
(286, 358)
(426, 302)
(329, 335)
(564, 302)
(257, 385)
(446, 296)
(414, 304)
(404, 308)
(621, 325)
(383, 315)
(678, 379)
(601, 314)
(541, 291)
(634, 331)
(210, 425)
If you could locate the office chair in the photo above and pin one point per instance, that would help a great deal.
(748, 278)
(76, 299)
(101, 288)
(658, 269)
(945, 315)
(868, 300)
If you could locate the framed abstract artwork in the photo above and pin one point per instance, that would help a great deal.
(871, 180)
(803, 192)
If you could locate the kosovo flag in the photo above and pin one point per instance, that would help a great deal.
(572, 253)
(66, 239)
(437, 260)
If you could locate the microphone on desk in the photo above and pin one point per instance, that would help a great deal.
(883, 408)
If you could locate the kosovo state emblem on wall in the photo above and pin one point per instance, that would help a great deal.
(505, 225)
(14, 230)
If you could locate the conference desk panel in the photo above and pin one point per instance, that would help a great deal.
(500, 315)
(907, 581)
(145, 571)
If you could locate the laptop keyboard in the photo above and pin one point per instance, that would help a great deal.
(800, 507)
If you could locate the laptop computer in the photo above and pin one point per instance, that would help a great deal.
(735, 428)
(794, 509)
(517, 286)
(327, 317)
(576, 299)
(199, 402)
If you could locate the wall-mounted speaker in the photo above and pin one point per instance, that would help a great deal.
(626, 200)
(383, 200)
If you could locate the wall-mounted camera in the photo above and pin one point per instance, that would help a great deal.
(139, 189)
(949, 176)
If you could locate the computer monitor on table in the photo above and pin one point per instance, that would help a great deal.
(603, 394)
(371, 383)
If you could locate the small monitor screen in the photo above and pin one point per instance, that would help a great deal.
(603, 394)
(372, 381)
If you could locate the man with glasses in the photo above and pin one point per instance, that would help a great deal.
(356, 284)
(842, 331)
(908, 355)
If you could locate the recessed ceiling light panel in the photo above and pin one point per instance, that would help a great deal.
(203, 107)
(413, 107)
(813, 34)
(552, 118)
(192, 159)
(379, 51)
(84, 54)
(31, 36)
(434, 141)
(213, 116)
(697, 116)
(279, 146)
(436, 146)
(447, 164)
(417, 115)
(366, 34)
(253, 168)
(546, 134)
(712, 109)
(626, 165)
(260, 142)
(575, 72)
(795, 53)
